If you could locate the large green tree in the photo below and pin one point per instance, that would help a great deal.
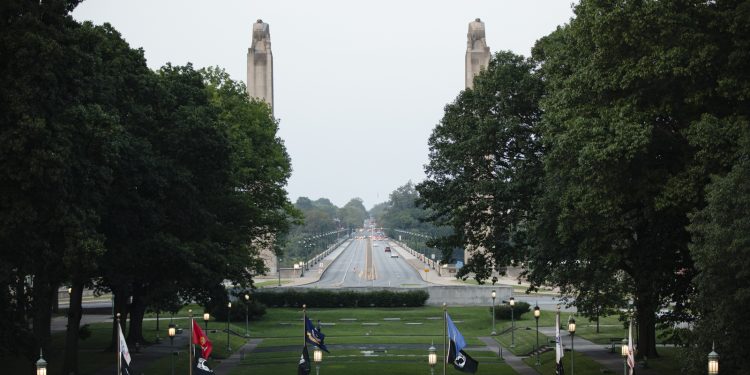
(484, 165)
(627, 82)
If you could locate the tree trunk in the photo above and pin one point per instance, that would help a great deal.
(646, 305)
(137, 311)
(42, 310)
(75, 311)
(597, 324)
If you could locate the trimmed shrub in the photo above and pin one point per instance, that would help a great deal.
(345, 298)
(502, 312)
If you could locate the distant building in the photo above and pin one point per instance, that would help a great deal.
(260, 64)
(477, 52)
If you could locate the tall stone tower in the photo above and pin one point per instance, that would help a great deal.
(477, 52)
(260, 64)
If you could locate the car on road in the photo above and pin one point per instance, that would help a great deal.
(387, 249)
(394, 255)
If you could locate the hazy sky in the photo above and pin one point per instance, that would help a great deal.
(358, 85)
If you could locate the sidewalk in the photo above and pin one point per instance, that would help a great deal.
(511, 359)
(315, 272)
(230, 363)
(598, 352)
(431, 276)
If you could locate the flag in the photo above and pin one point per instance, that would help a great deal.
(304, 362)
(631, 350)
(559, 353)
(314, 336)
(124, 353)
(201, 339)
(200, 367)
(456, 355)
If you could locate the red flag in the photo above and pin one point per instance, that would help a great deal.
(201, 339)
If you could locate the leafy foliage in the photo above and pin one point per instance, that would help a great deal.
(484, 166)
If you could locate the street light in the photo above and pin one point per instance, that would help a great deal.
(171, 331)
(41, 364)
(432, 358)
(494, 294)
(229, 318)
(537, 313)
(512, 323)
(247, 307)
(572, 330)
(206, 318)
(713, 361)
(317, 358)
(624, 352)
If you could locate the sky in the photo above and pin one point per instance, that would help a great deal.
(358, 85)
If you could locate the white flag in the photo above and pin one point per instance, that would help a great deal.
(558, 342)
(631, 350)
(123, 346)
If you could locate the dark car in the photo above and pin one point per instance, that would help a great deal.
(387, 249)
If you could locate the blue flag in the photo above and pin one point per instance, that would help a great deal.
(314, 336)
(456, 355)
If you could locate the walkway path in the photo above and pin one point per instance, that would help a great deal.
(227, 365)
(511, 359)
(598, 352)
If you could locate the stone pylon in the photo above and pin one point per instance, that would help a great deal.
(260, 64)
(477, 52)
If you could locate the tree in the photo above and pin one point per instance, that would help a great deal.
(59, 139)
(484, 165)
(353, 214)
(626, 81)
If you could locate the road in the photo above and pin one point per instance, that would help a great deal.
(349, 270)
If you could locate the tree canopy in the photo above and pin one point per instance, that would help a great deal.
(144, 183)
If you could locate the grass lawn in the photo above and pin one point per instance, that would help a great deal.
(365, 340)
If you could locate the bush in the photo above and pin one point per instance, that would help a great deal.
(502, 312)
(345, 298)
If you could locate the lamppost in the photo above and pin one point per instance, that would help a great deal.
(171, 331)
(229, 318)
(206, 318)
(624, 353)
(713, 361)
(432, 358)
(247, 307)
(493, 313)
(512, 323)
(41, 364)
(572, 330)
(317, 358)
(537, 313)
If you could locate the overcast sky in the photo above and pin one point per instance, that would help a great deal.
(358, 85)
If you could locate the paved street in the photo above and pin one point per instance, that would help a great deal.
(349, 270)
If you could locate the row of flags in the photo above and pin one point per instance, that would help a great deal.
(197, 365)
(455, 355)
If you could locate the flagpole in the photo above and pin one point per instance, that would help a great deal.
(445, 336)
(190, 344)
(119, 346)
(304, 325)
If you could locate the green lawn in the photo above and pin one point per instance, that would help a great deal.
(350, 334)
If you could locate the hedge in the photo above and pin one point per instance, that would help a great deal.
(502, 312)
(344, 298)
